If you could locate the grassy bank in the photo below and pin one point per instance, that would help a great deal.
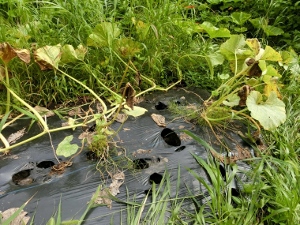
(79, 51)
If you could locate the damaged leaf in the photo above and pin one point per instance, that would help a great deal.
(129, 94)
(159, 119)
(48, 57)
(113, 190)
(16, 136)
(7, 53)
(21, 219)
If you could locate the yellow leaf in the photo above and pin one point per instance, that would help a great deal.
(254, 44)
(272, 86)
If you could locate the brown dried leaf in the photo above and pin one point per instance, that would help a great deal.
(88, 135)
(103, 198)
(75, 112)
(141, 151)
(16, 136)
(121, 117)
(255, 70)
(21, 219)
(104, 195)
(44, 111)
(7, 53)
(159, 119)
(243, 94)
(129, 94)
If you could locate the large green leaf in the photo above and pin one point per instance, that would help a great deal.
(65, 148)
(215, 32)
(214, 59)
(270, 113)
(234, 48)
(103, 35)
(240, 17)
(270, 54)
(69, 54)
(272, 31)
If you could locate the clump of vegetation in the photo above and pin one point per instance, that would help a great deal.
(246, 55)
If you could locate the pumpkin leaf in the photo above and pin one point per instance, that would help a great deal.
(65, 148)
(48, 57)
(136, 111)
(215, 32)
(270, 113)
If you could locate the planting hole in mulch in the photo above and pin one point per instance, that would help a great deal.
(22, 177)
(156, 178)
(45, 164)
(140, 164)
(180, 149)
(92, 156)
(161, 106)
(170, 137)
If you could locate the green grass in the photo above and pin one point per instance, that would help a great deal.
(161, 42)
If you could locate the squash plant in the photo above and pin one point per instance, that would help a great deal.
(253, 87)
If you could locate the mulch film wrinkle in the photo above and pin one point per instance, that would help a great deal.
(154, 151)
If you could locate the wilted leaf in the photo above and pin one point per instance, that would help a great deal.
(243, 94)
(272, 86)
(21, 219)
(65, 148)
(103, 35)
(113, 190)
(7, 53)
(129, 94)
(159, 119)
(121, 117)
(270, 113)
(215, 32)
(254, 44)
(48, 57)
(16, 136)
(137, 111)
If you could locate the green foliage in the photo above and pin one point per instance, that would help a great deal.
(65, 148)
(270, 113)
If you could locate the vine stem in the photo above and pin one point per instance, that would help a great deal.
(38, 116)
(87, 88)
(7, 89)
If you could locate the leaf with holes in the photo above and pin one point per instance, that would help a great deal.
(270, 113)
(65, 148)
